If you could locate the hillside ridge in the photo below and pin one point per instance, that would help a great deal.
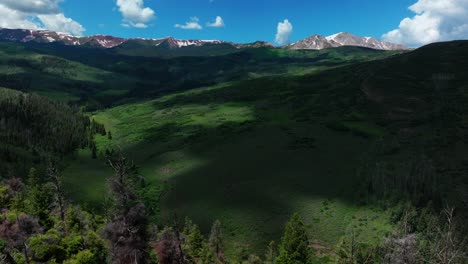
(104, 41)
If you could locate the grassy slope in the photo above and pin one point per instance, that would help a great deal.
(252, 152)
(104, 77)
(58, 78)
(247, 153)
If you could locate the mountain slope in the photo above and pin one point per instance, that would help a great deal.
(102, 41)
(319, 42)
(35, 130)
(176, 47)
(102, 77)
(252, 152)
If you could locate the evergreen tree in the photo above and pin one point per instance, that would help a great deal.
(294, 246)
(195, 242)
(39, 198)
(93, 151)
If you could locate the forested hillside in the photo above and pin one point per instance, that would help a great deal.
(352, 149)
(34, 130)
(98, 78)
(344, 155)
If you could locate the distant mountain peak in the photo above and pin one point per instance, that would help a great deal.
(319, 42)
(256, 44)
(104, 41)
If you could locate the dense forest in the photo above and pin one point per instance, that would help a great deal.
(400, 139)
(34, 130)
(40, 225)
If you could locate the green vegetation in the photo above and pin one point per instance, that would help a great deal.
(228, 140)
(179, 142)
(366, 150)
(294, 246)
(99, 78)
(34, 130)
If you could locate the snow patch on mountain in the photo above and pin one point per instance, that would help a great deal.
(318, 42)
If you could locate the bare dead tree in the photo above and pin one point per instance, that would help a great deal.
(127, 228)
(216, 240)
(449, 247)
(169, 249)
(16, 234)
(56, 180)
(401, 249)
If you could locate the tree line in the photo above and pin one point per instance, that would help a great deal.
(38, 224)
(34, 129)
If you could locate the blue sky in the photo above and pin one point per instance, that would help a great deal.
(411, 22)
(245, 21)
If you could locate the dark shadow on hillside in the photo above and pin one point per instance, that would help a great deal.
(262, 168)
(259, 171)
(153, 77)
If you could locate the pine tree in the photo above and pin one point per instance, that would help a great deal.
(93, 151)
(195, 242)
(39, 198)
(294, 246)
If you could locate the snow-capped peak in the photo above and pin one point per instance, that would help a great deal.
(344, 39)
(332, 37)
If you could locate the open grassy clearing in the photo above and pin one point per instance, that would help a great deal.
(252, 152)
(247, 153)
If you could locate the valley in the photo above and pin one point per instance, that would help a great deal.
(352, 139)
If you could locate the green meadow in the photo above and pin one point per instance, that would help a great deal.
(250, 137)
(247, 153)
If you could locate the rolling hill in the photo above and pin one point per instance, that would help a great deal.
(251, 152)
(98, 77)
(250, 134)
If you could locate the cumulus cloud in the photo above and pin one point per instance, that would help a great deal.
(33, 6)
(10, 18)
(219, 22)
(134, 13)
(37, 14)
(61, 23)
(192, 24)
(284, 32)
(434, 20)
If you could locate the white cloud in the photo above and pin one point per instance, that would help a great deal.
(61, 23)
(37, 14)
(134, 13)
(219, 22)
(33, 6)
(192, 24)
(284, 32)
(14, 19)
(434, 20)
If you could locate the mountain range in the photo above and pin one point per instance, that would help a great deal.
(315, 42)
(318, 42)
